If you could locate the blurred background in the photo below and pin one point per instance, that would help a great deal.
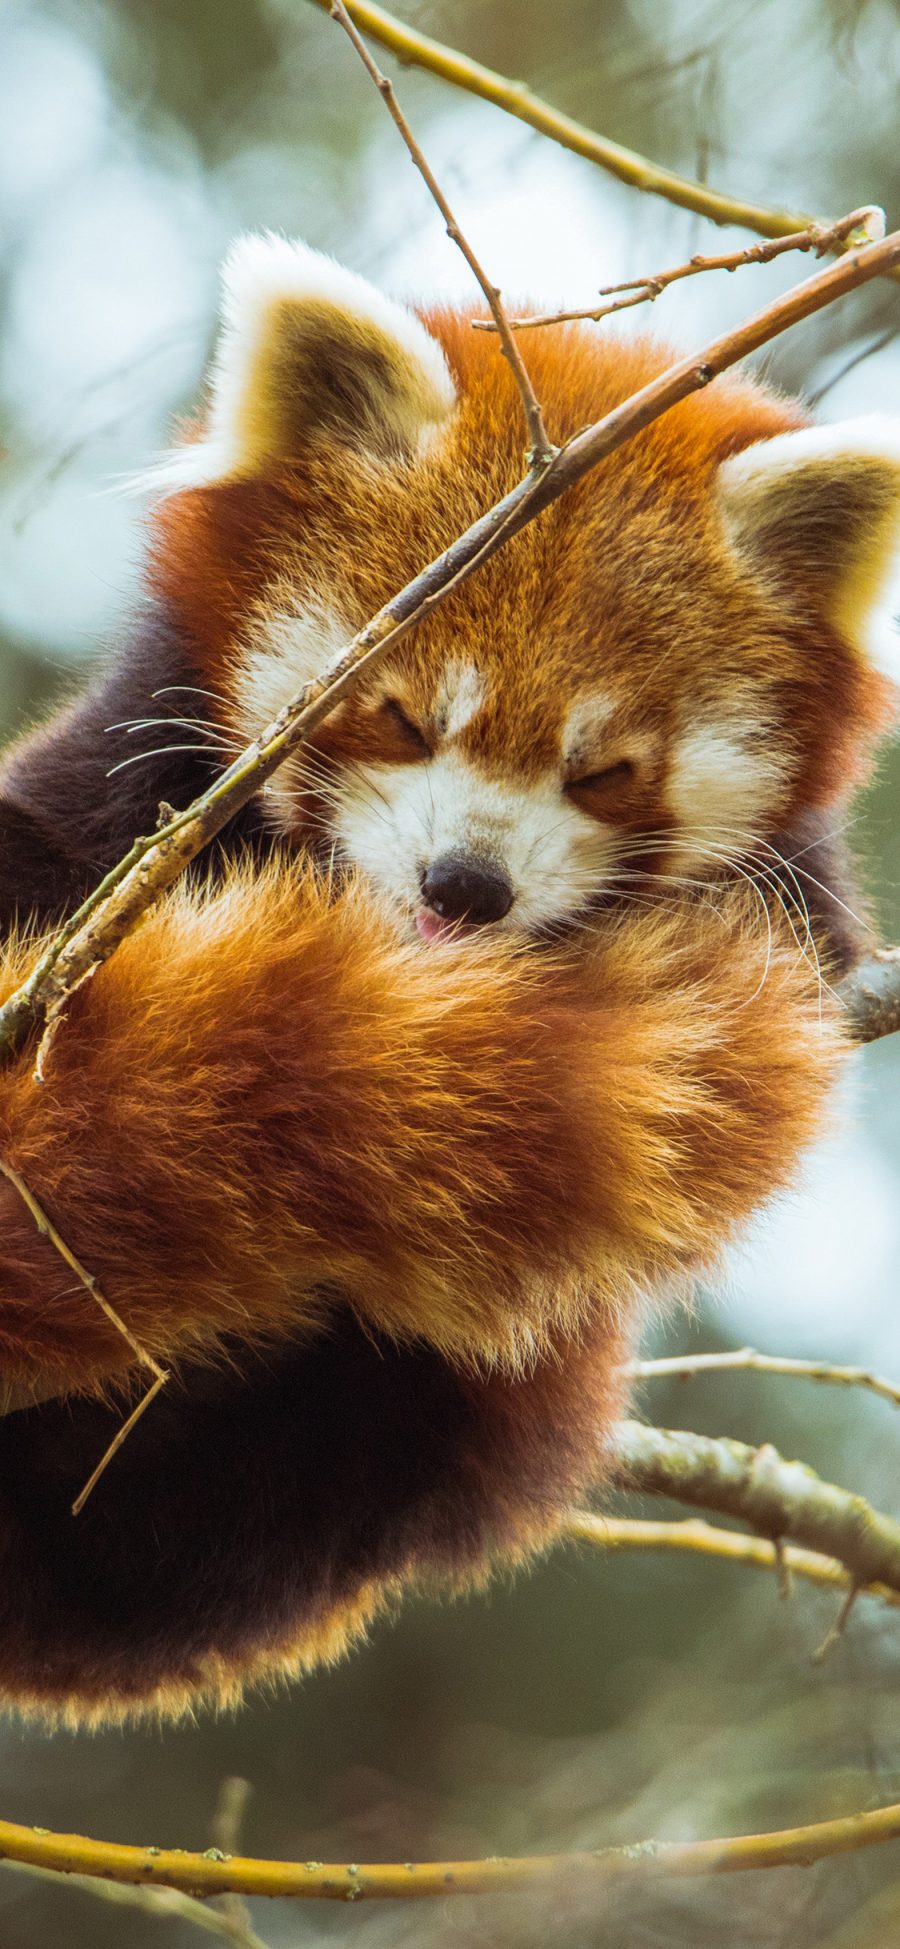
(600, 1699)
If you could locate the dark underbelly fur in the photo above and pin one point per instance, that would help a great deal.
(244, 1507)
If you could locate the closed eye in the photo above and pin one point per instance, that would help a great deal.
(415, 739)
(618, 774)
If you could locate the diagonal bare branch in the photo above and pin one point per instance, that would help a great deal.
(86, 1279)
(540, 448)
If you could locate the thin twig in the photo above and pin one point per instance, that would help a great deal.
(747, 1359)
(836, 1631)
(48, 1230)
(419, 50)
(776, 1497)
(695, 1537)
(869, 350)
(91, 935)
(227, 1823)
(782, 1569)
(205, 1874)
(167, 1903)
(540, 450)
(119, 1437)
(866, 225)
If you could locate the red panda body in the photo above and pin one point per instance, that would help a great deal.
(387, 1220)
(379, 1136)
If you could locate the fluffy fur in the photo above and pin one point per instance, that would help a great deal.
(426, 1187)
(386, 1195)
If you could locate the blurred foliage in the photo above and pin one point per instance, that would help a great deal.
(598, 1700)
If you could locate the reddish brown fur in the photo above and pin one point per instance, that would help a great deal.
(628, 579)
(264, 1091)
(388, 1210)
(262, 1096)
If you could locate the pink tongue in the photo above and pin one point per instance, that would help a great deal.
(431, 927)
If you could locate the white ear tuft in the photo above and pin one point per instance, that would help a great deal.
(309, 353)
(819, 510)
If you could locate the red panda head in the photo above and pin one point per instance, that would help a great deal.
(662, 672)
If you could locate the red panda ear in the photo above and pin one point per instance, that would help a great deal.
(819, 510)
(310, 353)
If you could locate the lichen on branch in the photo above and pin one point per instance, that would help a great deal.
(781, 1499)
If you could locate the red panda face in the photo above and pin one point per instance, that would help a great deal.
(648, 683)
(466, 806)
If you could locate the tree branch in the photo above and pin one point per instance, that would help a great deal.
(420, 51)
(747, 1360)
(154, 1872)
(871, 995)
(91, 934)
(697, 1538)
(203, 1875)
(168, 1903)
(540, 449)
(785, 1501)
(866, 225)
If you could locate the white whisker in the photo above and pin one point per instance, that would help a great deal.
(162, 751)
(195, 690)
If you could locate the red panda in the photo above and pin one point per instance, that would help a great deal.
(485, 1020)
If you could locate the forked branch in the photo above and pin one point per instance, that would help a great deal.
(866, 225)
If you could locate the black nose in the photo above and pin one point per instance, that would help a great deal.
(461, 887)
